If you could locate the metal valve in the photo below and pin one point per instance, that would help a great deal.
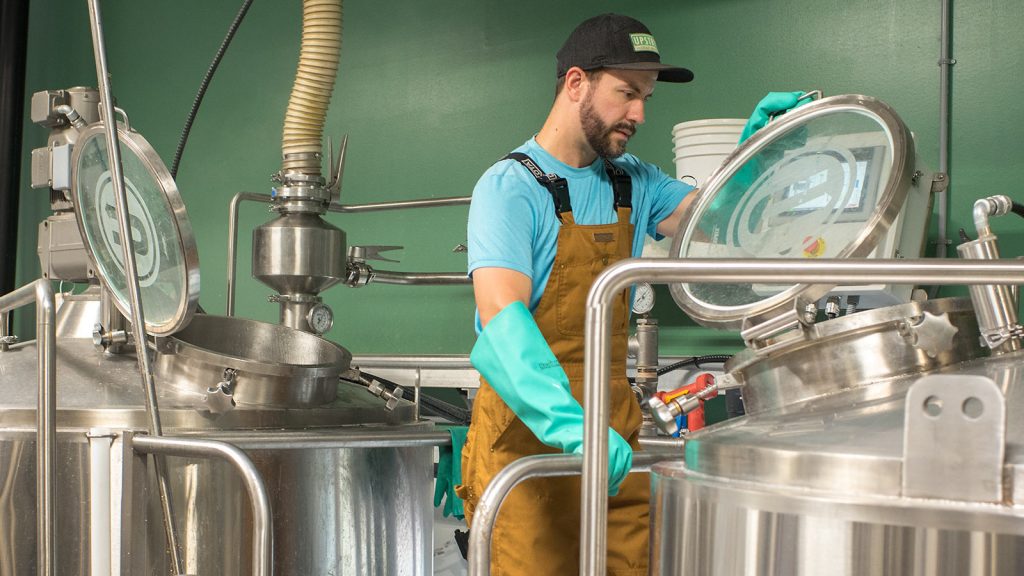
(667, 406)
(220, 399)
(104, 339)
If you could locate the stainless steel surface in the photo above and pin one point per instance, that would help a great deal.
(262, 517)
(276, 365)
(298, 254)
(758, 307)
(341, 506)
(41, 293)
(77, 314)
(131, 271)
(540, 466)
(706, 526)
(619, 276)
(419, 278)
(966, 417)
(62, 255)
(844, 353)
(233, 241)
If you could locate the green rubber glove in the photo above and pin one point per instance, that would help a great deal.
(772, 104)
(449, 474)
(513, 356)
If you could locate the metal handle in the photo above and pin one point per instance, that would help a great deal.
(262, 515)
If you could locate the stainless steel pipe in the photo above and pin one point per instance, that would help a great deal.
(233, 241)
(41, 292)
(541, 466)
(335, 440)
(619, 276)
(138, 318)
(399, 205)
(262, 516)
(420, 278)
(390, 277)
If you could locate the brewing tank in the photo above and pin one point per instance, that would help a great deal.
(882, 436)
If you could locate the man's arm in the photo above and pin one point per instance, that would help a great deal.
(495, 288)
(670, 224)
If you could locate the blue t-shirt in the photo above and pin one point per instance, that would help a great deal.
(512, 222)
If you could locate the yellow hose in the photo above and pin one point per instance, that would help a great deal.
(314, 81)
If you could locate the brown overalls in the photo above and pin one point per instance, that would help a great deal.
(537, 530)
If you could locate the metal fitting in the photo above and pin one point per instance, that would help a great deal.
(104, 339)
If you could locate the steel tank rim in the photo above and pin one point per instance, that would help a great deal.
(669, 478)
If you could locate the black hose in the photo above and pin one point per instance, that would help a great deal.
(695, 361)
(205, 84)
(431, 406)
(1018, 209)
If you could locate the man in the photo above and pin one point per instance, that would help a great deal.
(543, 223)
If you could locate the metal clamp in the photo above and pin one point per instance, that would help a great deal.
(220, 399)
(930, 333)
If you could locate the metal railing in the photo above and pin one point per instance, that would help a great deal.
(542, 466)
(41, 292)
(616, 278)
(262, 516)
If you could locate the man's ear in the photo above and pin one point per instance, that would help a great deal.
(576, 83)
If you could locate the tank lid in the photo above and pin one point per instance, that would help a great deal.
(824, 181)
(165, 248)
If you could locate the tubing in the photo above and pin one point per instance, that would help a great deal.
(301, 146)
(205, 84)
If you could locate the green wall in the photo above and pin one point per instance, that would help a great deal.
(431, 93)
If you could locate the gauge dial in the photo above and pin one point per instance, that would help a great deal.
(643, 298)
(320, 318)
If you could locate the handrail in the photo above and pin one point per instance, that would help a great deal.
(262, 516)
(619, 276)
(41, 292)
(540, 466)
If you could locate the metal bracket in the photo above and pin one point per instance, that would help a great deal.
(363, 253)
(954, 440)
(760, 337)
(928, 332)
(939, 182)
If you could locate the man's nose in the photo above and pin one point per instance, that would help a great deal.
(635, 114)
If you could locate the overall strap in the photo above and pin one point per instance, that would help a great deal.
(555, 184)
(622, 185)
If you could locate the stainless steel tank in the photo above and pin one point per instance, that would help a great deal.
(348, 494)
(879, 441)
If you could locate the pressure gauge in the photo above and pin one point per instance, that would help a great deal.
(320, 318)
(643, 298)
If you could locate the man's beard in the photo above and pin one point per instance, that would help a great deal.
(599, 134)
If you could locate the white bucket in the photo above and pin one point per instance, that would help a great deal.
(700, 146)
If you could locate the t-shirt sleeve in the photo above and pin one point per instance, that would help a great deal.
(665, 195)
(501, 224)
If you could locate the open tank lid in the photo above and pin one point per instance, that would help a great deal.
(823, 181)
(165, 247)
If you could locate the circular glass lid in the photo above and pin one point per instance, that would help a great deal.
(824, 181)
(165, 249)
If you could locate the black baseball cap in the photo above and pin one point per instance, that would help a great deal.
(616, 41)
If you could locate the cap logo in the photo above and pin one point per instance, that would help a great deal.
(643, 43)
